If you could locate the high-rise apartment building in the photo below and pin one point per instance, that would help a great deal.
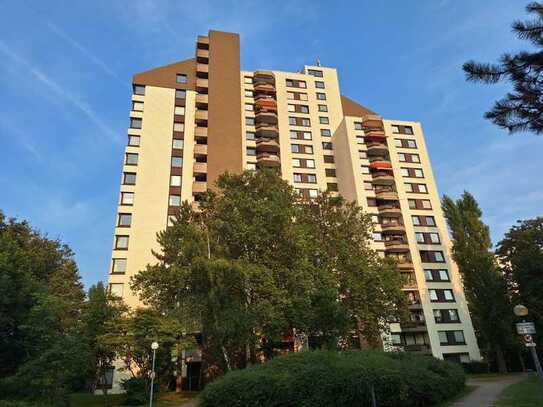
(193, 120)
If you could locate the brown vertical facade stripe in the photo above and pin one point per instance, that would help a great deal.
(224, 149)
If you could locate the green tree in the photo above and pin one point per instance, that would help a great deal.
(484, 284)
(521, 257)
(255, 264)
(41, 300)
(521, 109)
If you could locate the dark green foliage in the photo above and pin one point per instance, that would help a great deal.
(476, 367)
(137, 392)
(41, 299)
(521, 109)
(327, 378)
(521, 257)
(484, 284)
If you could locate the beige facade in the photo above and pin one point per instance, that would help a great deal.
(320, 140)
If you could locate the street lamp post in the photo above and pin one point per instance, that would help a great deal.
(522, 311)
(154, 347)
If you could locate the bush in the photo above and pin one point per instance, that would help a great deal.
(476, 367)
(326, 378)
(137, 390)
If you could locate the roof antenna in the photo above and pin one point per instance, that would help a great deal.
(318, 62)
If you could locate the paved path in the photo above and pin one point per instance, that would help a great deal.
(488, 390)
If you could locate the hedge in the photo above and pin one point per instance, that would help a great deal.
(327, 378)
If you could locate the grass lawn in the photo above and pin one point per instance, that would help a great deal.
(528, 393)
(169, 399)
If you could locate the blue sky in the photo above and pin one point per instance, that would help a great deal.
(66, 67)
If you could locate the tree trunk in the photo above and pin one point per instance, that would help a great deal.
(361, 341)
(179, 373)
(500, 358)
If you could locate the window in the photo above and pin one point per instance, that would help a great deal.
(362, 154)
(323, 108)
(116, 289)
(377, 236)
(250, 135)
(175, 180)
(171, 220)
(133, 141)
(438, 275)
(427, 238)
(432, 256)
(137, 106)
(127, 198)
(299, 121)
(297, 177)
(332, 186)
(177, 162)
(298, 108)
(249, 93)
(135, 123)
(121, 242)
(326, 133)
(124, 220)
(358, 126)
(421, 220)
(180, 94)
(139, 90)
(251, 166)
(178, 144)
(441, 295)
(251, 151)
(310, 163)
(398, 129)
(313, 193)
(443, 316)
(407, 130)
(412, 172)
(179, 110)
(326, 145)
(314, 72)
(249, 107)
(319, 84)
(179, 126)
(250, 121)
(330, 172)
(181, 78)
(365, 169)
(321, 96)
(451, 338)
(307, 135)
(118, 266)
(129, 178)
(324, 120)
(368, 186)
(175, 200)
(131, 159)
(248, 80)
(307, 178)
(419, 204)
(293, 83)
(295, 148)
(329, 159)
(403, 143)
(359, 140)
(419, 188)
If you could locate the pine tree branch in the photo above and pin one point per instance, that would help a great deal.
(483, 72)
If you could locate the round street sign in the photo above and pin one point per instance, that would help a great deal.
(528, 338)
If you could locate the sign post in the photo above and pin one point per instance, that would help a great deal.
(527, 329)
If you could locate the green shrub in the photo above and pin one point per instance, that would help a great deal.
(137, 390)
(326, 378)
(476, 367)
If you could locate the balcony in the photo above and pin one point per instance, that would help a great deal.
(202, 85)
(265, 131)
(201, 115)
(391, 210)
(396, 245)
(265, 89)
(268, 160)
(266, 105)
(376, 148)
(203, 68)
(405, 264)
(417, 348)
(381, 165)
(267, 145)
(200, 168)
(413, 326)
(386, 195)
(202, 42)
(410, 281)
(264, 78)
(200, 149)
(202, 56)
(374, 135)
(382, 178)
(200, 131)
(198, 187)
(392, 227)
(266, 118)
